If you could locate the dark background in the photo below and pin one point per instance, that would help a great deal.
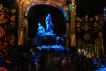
(38, 14)
(90, 7)
(8, 3)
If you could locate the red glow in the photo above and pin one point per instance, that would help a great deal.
(3, 69)
(8, 61)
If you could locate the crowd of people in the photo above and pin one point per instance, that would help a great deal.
(61, 61)
(44, 60)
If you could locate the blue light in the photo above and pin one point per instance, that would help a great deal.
(63, 12)
(49, 27)
(35, 57)
(43, 36)
(104, 15)
(100, 64)
(101, 69)
(41, 29)
(70, 8)
(95, 62)
(56, 47)
(0, 61)
(49, 24)
(57, 40)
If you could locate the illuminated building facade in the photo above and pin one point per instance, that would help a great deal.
(73, 36)
(8, 30)
(90, 36)
(38, 32)
(68, 8)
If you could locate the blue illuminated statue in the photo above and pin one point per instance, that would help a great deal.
(49, 24)
(43, 34)
(41, 29)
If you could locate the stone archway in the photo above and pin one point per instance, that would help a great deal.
(62, 9)
(41, 7)
(25, 5)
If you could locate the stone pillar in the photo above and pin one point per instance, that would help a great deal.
(68, 26)
(73, 16)
(20, 22)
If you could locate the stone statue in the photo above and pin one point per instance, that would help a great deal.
(41, 29)
(49, 24)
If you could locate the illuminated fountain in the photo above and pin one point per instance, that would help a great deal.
(46, 39)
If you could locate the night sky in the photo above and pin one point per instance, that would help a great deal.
(90, 7)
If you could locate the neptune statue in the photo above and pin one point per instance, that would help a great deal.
(45, 37)
(49, 24)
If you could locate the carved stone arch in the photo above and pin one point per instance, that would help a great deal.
(59, 5)
(22, 15)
